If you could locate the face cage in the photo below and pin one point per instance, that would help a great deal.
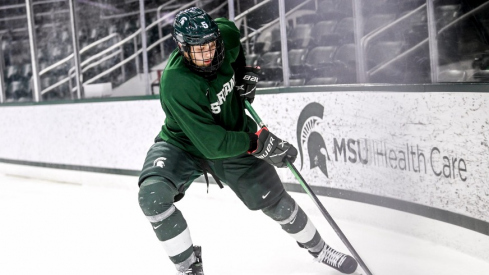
(216, 63)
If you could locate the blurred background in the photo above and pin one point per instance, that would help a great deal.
(296, 42)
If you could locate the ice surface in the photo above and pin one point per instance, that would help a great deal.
(62, 228)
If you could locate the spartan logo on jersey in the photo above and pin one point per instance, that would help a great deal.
(227, 88)
(160, 162)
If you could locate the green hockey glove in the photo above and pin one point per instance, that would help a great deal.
(246, 86)
(274, 150)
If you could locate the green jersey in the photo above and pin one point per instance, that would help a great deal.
(206, 117)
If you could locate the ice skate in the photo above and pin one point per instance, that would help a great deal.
(196, 268)
(337, 260)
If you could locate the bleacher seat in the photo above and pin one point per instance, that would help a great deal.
(41, 55)
(481, 76)
(343, 33)
(43, 65)
(297, 82)
(271, 66)
(345, 30)
(321, 34)
(297, 60)
(252, 59)
(452, 76)
(64, 89)
(96, 34)
(82, 35)
(266, 84)
(345, 63)
(16, 90)
(319, 62)
(128, 28)
(300, 36)
(337, 9)
(322, 81)
(26, 71)
(382, 7)
(308, 17)
(5, 47)
(46, 82)
(65, 37)
(55, 53)
(112, 29)
(13, 73)
(276, 42)
(263, 42)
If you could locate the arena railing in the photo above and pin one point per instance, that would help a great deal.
(136, 53)
(280, 21)
(133, 36)
(85, 63)
(363, 72)
(243, 18)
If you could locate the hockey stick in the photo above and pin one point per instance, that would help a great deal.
(313, 196)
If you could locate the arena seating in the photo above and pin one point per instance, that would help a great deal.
(297, 60)
(323, 81)
(452, 76)
(267, 84)
(345, 60)
(319, 62)
(322, 34)
(320, 42)
(271, 66)
(300, 36)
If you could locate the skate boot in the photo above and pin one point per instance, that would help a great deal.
(337, 260)
(196, 268)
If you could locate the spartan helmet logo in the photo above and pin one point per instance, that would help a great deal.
(310, 139)
(160, 162)
(182, 21)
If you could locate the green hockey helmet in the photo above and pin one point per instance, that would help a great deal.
(199, 40)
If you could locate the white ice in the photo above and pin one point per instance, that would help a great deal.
(50, 227)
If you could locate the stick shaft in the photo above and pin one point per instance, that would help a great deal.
(254, 114)
(313, 196)
(328, 217)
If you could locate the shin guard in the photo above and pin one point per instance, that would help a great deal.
(156, 201)
(294, 221)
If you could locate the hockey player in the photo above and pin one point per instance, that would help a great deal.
(206, 130)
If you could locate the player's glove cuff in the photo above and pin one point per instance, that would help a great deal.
(274, 150)
(253, 142)
(246, 86)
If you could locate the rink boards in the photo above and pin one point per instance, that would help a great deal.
(417, 151)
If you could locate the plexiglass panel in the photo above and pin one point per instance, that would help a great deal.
(327, 42)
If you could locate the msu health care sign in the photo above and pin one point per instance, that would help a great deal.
(426, 148)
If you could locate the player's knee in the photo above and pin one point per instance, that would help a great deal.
(156, 196)
(281, 210)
